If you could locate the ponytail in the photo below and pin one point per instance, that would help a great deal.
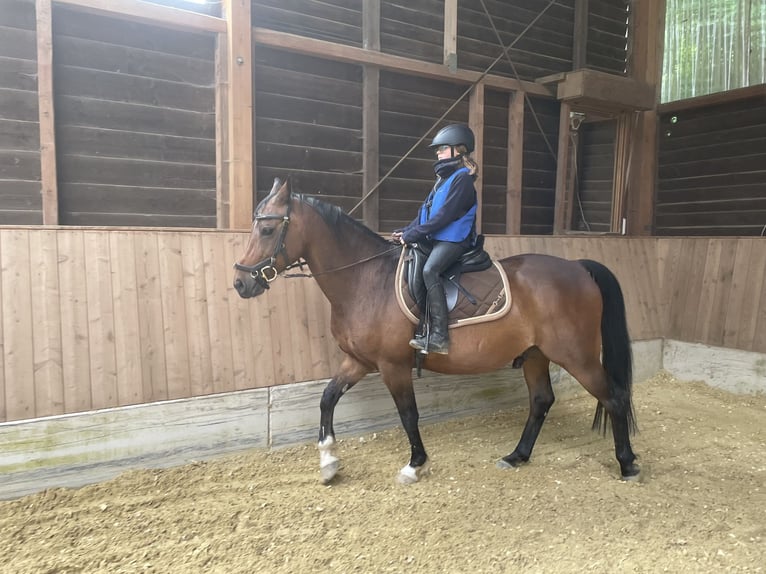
(468, 161)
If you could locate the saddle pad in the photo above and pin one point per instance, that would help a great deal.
(490, 288)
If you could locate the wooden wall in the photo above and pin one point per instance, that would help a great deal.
(712, 166)
(135, 123)
(595, 177)
(20, 199)
(607, 42)
(539, 165)
(94, 318)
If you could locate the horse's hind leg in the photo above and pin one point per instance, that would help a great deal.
(617, 405)
(350, 373)
(541, 399)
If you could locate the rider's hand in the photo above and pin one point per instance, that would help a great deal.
(396, 237)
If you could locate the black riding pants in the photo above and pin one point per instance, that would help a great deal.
(443, 254)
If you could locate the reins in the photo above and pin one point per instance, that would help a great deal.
(302, 262)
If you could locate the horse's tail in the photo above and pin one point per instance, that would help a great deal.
(615, 342)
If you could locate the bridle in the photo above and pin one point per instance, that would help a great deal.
(264, 271)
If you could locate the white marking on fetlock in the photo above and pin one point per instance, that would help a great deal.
(328, 462)
(411, 474)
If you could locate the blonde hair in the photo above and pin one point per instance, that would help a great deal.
(468, 161)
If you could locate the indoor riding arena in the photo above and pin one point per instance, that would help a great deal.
(155, 417)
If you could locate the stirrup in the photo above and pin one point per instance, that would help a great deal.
(418, 343)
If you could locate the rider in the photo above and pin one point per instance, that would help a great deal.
(446, 221)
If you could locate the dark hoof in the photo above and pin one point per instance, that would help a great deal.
(633, 474)
(510, 461)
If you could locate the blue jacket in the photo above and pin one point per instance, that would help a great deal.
(449, 211)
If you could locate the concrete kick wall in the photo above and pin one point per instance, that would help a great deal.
(73, 450)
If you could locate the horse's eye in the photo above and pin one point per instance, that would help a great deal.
(267, 230)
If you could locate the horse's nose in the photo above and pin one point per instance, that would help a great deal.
(239, 285)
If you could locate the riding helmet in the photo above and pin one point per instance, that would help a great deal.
(455, 134)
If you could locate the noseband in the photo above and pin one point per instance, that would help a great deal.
(264, 271)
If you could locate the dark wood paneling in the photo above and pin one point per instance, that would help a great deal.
(595, 176)
(712, 170)
(135, 123)
(539, 173)
(20, 199)
(607, 43)
(335, 21)
(308, 125)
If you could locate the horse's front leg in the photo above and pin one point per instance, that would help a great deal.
(398, 379)
(350, 373)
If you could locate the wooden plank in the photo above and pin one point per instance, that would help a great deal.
(450, 35)
(48, 172)
(218, 286)
(371, 117)
(221, 132)
(753, 300)
(75, 350)
(351, 54)
(46, 318)
(476, 123)
(246, 367)
(3, 344)
(563, 195)
(647, 48)
(198, 333)
(241, 154)
(175, 334)
(580, 35)
(17, 326)
(150, 319)
(725, 97)
(150, 13)
(127, 329)
(515, 163)
(100, 300)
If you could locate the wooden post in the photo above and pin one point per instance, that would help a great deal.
(241, 153)
(221, 132)
(515, 163)
(450, 34)
(648, 39)
(371, 115)
(48, 178)
(476, 123)
(580, 47)
(563, 197)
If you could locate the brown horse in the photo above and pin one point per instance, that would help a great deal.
(563, 311)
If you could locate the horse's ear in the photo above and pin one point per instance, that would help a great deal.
(275, 187)
(283, 193)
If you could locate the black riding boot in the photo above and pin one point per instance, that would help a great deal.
(438, 339)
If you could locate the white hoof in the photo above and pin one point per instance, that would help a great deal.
(411, 474)
(329, 470)
(328, 462)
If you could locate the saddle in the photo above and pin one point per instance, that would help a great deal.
(477, 288)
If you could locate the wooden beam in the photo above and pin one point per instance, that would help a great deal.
(371, 116)
(580, 47)
(240, 113)
(476, 123)
(713, 99)
(561, 208)
(450, 35)
(515, 164)
(221, 132)
(648, 31)
(150, 13)
(354, 55)
(48, 177)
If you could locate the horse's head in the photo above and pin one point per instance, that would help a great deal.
(267, 249)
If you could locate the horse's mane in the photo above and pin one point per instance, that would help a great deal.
(339, 221)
